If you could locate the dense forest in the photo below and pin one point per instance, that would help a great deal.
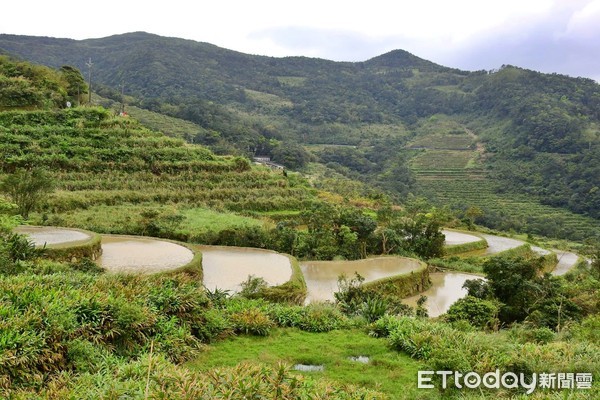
(300, 110)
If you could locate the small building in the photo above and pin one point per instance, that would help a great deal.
(267, 161)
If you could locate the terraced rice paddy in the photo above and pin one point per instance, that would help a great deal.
(141, 255)
(456, 178)
(454, 238)
(446, 288)
(322, 276)
(227, 267)
(48, 235)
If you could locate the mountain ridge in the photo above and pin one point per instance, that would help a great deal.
(143, 36)
(548, 124)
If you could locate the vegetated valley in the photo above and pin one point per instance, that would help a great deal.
(379, 156)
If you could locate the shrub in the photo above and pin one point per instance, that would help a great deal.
(524, 334)
(217, 297)
(27, 188)
(410, 337)
(168, 381)
(480, 313)
(87, 265)
(73, 321)
(321, 317)
(588, 329)
(175, 341)
(252, 287)
(373, 308)
(383, 326)
(350, 294)
(252, 321)
(84, 356)
(212, 325)
(22, 249)
(287, 316)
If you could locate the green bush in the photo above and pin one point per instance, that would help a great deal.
(287, 316)
(252, 321)
(479, 313)
(321, 317)
(252, 287)
(523, 349)
(373, 308)
(212, 325)
(88, 266)
(175, 341)
(85, 357)
(587, 330)
(524, 334)
(73, 321)
(383, 326)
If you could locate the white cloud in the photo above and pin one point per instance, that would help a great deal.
(585, 23)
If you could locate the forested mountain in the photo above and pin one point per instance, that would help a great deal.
(528, 140)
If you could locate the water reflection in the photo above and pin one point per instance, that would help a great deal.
(145, 255)
(321, 276)
(454, 238)
(227, 267)
(49, 235)
(446, 288)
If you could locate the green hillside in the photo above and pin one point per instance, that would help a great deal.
(114, 175)
(380, 109)
(69, 329)
(110, 174)
(99, 160)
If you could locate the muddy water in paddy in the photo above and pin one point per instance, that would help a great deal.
(141, 255)
(321, 276)
(496, 244)
(227, 267)
(49, 235)
(566, 261)
(454, 238)
(446, 288)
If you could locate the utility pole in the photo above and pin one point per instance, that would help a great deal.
(122, 99)
(89, 65)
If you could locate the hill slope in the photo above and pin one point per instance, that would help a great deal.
(115, 175)
(547, 125)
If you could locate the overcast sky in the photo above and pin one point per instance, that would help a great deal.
(560, 36)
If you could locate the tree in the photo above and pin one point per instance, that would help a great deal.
(513, 282)
(76, 85)
(27, 188)
(479, 313)
(359, 223)
(592, 250)
(526, 295)
(8, 221)
(471, 214)
(291, 155)
(421, 235)
(478, 288)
